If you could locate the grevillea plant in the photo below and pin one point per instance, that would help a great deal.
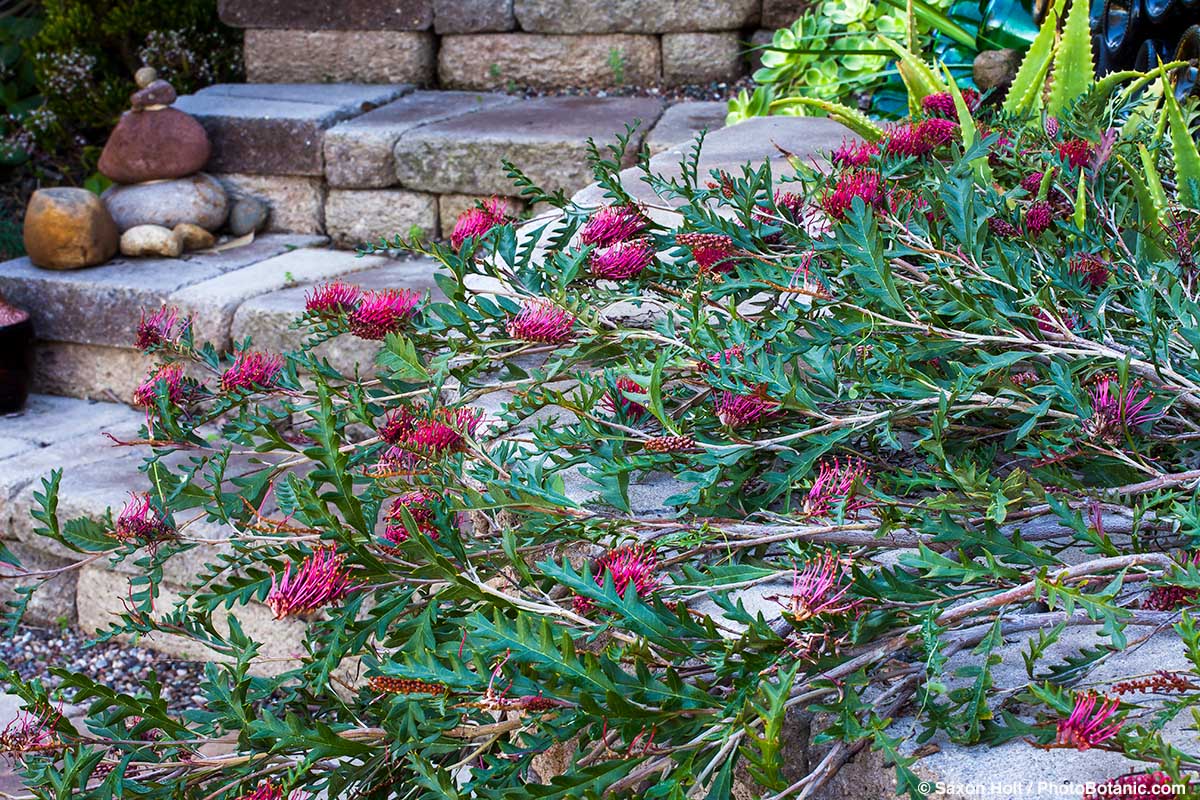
(936, 392)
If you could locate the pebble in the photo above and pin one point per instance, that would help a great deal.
(248, 215)
(198, 199)
(151, 240)
(193, 237)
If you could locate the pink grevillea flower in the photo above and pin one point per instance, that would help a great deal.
(539, 320)
(819, 588)
(1053, 324)
(941, 104)
(1003, 228)
(631, 565)
(331, 299)
(1091, 268)
(433, 433)
(854, 154)
(169, 375)
(726, 356)
(30, 732)
(618, 399)
(1169, 598)
(1032, 182)
(1146, 784)
(713, 252)
(1038, 218)
(1051, 126)
(920, 138)
(1114, 411)
(741, 410)
(159, 328)
(865, 186)
(269, 790)
(319, 580)
(622, 260)
(140, 523)
(252, 369)
(475, 222)
(420, 504)
(382, 312)
(612, 224)
(1076, 152)
(834, 487)
(1089, 724)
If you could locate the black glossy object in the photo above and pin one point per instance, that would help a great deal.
(16, 357)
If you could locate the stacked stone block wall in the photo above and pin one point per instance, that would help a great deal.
(495, 44)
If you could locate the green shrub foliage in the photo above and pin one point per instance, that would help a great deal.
(937, 393)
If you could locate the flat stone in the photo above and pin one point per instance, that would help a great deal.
(682, 122)
(364, 56)
(753, 141)
(782, 13)
(358, 153)
(152, 145)
(115, 294)
(355, 217)
(89, 371)
(311, 15)
(155, 93)
(473, 16)
(54, 601)
(199, 199)
(277, 129)
(453, 206)
(634, 16)
(502, 60)
(547, 137)
(702, 57)
(67, 228)
(267, 319)
(212, 303)
(296, 203)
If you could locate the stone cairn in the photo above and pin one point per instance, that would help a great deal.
(161, 205)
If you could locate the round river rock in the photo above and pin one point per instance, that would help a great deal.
(199, 199)
(68, 228)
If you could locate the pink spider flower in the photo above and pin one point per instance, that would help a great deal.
(1076, 152)
(158, 329)
(834, 486)
(540, 320)
(920, 138)
(941, 104)
(1115, 411)
(1003, 228)
(612, 224)
(432, 433)
(1146, 784)
(712, 251)
(854, 154)
(726, 356)
(622, 260)
(382, 312)
(475, 222)
(1038, 218)
(619, 398)
(865, 186)
(252, 369)
(319, 580)
(1052, 325)
(741, 410)
(1032, 182)
(630, 565)
(819, 588)
(420, 504)
(140, 523)
(1091, 268)
(171, 375)
(331, 300)
(1091, 722)
(28, 732)
(269, 790)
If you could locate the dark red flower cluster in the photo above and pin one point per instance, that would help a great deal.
(851, 186)
(920, 138)
(251, 370)
(713, 252)
(420, 504)
(139, 523)
(430, 433)
(372, 314)
(618, 400)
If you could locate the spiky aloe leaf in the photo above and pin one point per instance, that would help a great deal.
(1183, 147)
(1073, 63)
(920, 80)
(1026, 91)
(970, 132)
(852, 118)
(1081, 201)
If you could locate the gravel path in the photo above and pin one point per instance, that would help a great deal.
(717, 90)
(32, 651)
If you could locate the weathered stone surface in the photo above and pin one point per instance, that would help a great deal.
(358, 153)
(357, 216)
(247, 215)
(296, 203)
(276, 129)
(151, 241)
(160, 144)
(193, 237)
(155, 93)
(995, 69)
(760, 40)
(702, 57)
(345, 15)
(453, 206)
(782, 13)
(634, 16)
(473, 16)
(547, 137)
(68, 228)
(266, 319)
(89, 371)
(199, 199)
(115, 294)
(495, 60)
(213, 302)
(371, 56)
(680, 124)
(54, 602)
(754, 141)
